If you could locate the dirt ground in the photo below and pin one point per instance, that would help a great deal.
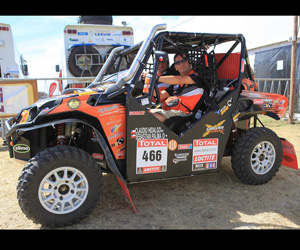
(212, 201)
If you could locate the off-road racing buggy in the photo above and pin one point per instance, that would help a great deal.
(70, 140)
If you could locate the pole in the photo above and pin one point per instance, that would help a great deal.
(293, 71)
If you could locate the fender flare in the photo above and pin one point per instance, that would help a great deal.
(248, 115)
(108, 156)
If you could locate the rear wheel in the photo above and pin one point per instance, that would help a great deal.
(256, 156)
(59, 186)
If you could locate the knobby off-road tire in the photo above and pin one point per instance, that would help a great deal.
(256, 156)
(59, 186)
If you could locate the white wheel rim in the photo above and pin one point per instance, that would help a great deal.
(263, 157)
(63, 190)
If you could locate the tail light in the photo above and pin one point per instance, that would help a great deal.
(126, 33)
(4, 28)
(71, 31)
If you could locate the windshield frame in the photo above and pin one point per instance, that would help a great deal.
(104, 74)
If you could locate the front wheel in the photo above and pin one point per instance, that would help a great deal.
(256, 156)
(59, 186)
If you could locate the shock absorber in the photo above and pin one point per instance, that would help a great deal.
(61, 138)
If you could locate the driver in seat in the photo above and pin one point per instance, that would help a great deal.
(184, 92)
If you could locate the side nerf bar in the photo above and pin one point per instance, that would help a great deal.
(289, 158)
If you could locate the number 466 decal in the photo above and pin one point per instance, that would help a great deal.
(151, 156)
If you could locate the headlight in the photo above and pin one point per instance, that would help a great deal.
(39, 108)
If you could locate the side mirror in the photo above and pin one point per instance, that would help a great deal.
(161, 56)
(57, 68)
(26, 73)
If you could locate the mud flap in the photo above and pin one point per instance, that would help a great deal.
(126, 192)
(289, 158)
(113, 167)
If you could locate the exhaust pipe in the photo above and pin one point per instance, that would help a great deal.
(134, 67)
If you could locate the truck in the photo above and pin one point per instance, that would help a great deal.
(87, 45)
(69, 141)
(12, 63)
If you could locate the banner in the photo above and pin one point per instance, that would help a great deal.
(16, 95)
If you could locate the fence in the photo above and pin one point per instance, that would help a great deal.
(44, 83)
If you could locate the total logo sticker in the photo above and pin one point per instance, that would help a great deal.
(151, 156)
(205, 154)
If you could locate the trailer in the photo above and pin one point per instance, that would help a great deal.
(12, 64)
(87, 46)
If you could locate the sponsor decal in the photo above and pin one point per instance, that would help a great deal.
(205, 154)
(98, 156)
(148, 170)
(180, 157)
(243, 65)
(223, 110)
(74, 103)
(235, 118)
(108, 109)
(21, 148)
(258, 101)
(218, 128)
(132, 134)
(185, 146)
(204, 166)
(172, 145)
(143, 133)
(82, 33)
(133, 113)
(151, 156)
(115, 128)
(118, 142)
(102, 33)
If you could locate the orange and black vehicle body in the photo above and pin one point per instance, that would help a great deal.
(110, 119)
(123, 121)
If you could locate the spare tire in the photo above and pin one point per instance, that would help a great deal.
(96, 20)
(83, 67)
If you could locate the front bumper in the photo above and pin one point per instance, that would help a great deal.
(18, 146)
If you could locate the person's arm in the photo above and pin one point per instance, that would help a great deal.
(174, 80)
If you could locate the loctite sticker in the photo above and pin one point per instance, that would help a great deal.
(205, 154)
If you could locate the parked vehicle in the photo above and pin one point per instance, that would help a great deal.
(12, 64)
(88, 44)
(70, 140)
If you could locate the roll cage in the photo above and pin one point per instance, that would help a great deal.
(201, 48)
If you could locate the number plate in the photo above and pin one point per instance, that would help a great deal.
(151, 156)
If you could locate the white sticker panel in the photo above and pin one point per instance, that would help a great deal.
(205, 154)
(151, 156)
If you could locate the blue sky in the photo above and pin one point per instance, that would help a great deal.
(39, 38)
